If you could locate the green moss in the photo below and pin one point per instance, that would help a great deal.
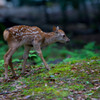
(61, 93)
(76, 87)
(39, 89)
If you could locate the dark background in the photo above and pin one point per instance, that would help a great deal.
(80, 19)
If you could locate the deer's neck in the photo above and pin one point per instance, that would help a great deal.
(50, 38)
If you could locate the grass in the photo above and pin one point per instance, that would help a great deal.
(77, 76)
(62, 81)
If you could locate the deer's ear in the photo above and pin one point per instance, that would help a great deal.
(55, 29)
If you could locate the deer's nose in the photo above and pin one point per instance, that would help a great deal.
(68, 40)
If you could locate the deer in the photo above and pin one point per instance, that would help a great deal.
(29, 36)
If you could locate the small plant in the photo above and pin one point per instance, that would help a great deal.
(32, 54)
(90, 46)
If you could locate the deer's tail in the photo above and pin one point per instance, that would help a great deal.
(6, 35)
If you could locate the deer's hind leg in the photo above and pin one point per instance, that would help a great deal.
(7, 60)
(11, 66)
(25, 57)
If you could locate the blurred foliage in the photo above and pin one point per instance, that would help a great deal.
(2, 28)
(55, 52)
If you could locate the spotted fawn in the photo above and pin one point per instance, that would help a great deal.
(29, 36)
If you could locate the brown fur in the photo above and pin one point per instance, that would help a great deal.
(28, 36)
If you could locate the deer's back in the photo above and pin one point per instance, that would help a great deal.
(22, 34)
(19, 33)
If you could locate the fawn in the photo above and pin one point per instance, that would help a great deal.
(29, 36)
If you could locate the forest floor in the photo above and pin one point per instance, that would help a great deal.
(73, 75)
(78, 79)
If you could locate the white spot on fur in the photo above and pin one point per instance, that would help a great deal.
(17, 34)
(22, 28)
(33, 28)
(35, 32)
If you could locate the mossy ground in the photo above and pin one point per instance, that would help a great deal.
(79, 79)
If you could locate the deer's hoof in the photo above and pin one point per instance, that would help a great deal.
(23, 71)
(47, 67)
(6, 77)
(6, 80)
(14, 76)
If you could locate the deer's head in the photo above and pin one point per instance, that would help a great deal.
(60, 35)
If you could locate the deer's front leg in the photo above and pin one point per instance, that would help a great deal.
(38, 50)
(42, 58)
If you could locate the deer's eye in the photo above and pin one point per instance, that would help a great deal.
(63, 35)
